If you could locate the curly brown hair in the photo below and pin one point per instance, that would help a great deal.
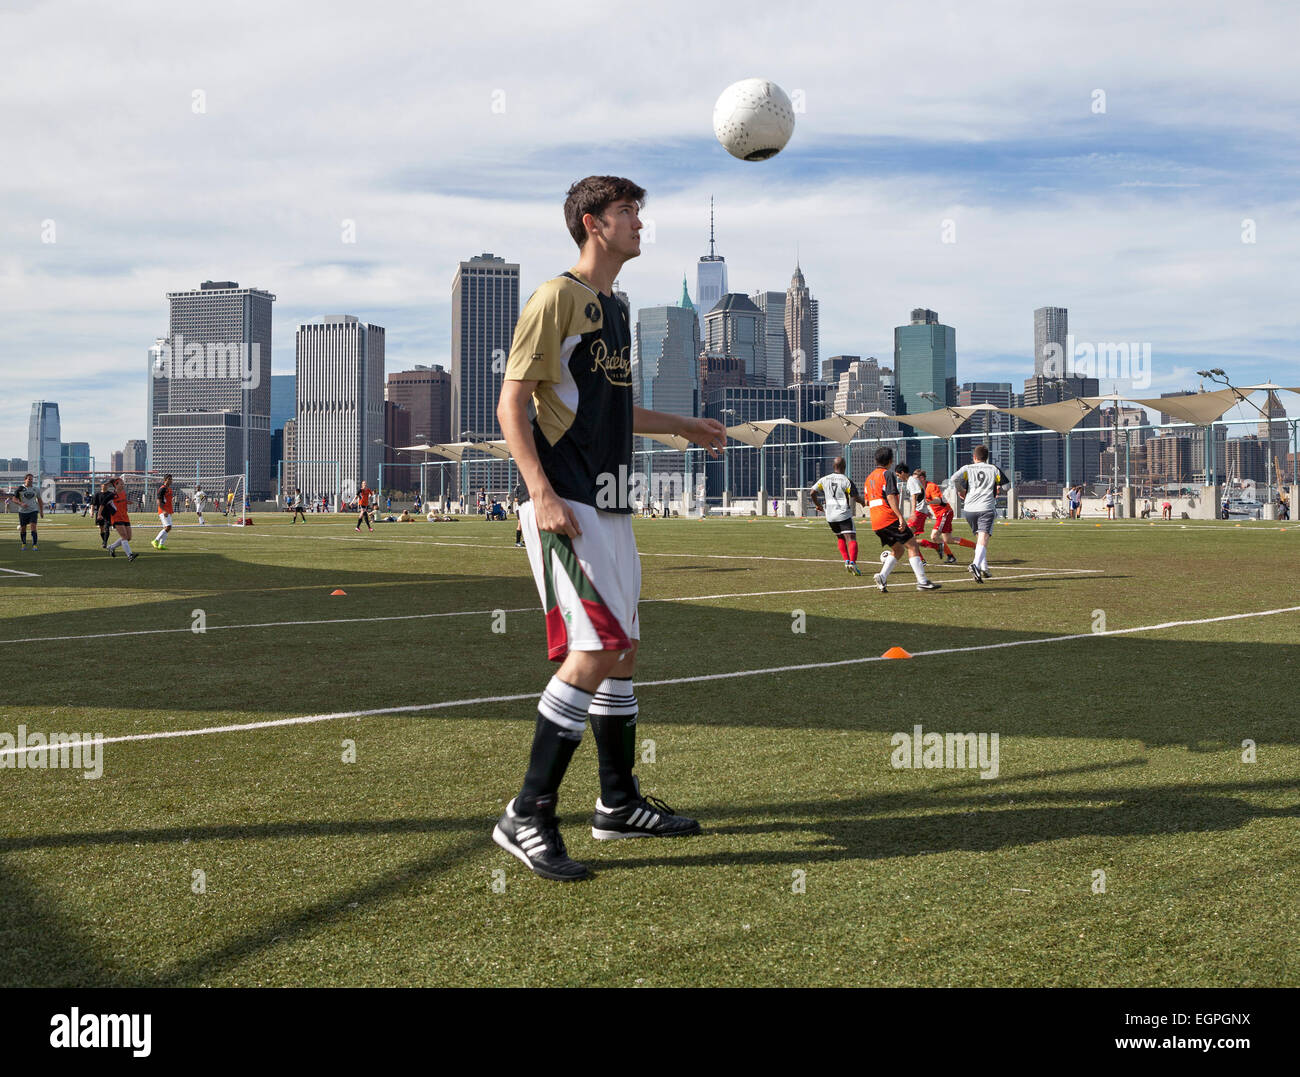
(594, 195)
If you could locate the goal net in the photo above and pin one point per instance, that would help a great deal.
(220, 499)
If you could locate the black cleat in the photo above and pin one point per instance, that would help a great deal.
(643, 817)
(879, 581)
(132, 556)
(975, 571)
(929, 585)
(950, 560)
(535, 839)
(112, 552)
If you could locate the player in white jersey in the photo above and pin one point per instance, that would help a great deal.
(834, 495)
(199, 498)
(978, 484)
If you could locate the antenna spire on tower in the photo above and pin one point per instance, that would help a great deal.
(711, 251)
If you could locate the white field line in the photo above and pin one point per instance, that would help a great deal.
(511, 548)
(16, 572)
(418, 708)
(489, 613)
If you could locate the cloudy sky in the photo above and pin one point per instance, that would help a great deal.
(173, 143)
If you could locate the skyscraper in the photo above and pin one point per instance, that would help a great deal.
(218, 415)
(734, 327)
(1051, 327)
(665, 368)
(710, 277)
(860, 389)
(44, 441)
(1273, 434)
(801, 330)
(339, 382)
(159, 369)
(74, 458)
(925, 361)
(135, 457)
(986, 423)
(484, 310)
(424, 391)
(777, 352)
(836, 365)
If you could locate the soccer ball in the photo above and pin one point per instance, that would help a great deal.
(753, 119)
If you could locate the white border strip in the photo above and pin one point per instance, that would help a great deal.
(419, 708)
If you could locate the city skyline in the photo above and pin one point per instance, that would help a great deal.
(1160, 211)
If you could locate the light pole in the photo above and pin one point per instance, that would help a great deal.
(726, 465)
(1216, 374)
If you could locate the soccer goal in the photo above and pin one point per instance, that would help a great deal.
(219, 496)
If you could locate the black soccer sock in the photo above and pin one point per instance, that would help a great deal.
(561, 719)
(613, 724)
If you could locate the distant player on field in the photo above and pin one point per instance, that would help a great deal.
(102, 503)
(364, 496)
(881, 489)
(297, 506)
(121, 520)
(199, 498)
(979, 484)
(567, 414)
(30, 509)
(834, 494)
(165, 500)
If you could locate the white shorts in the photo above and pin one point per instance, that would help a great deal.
(589, 585)
(165, 518)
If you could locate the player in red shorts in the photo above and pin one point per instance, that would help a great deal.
(942, 512)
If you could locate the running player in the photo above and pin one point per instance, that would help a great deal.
(199, 498)
(165, 501)
(942, 513)
(364, 496)
(30, 509)
(979, 484)
(915, 508)
(297, 506)
(834, 494)
(570, 362)
(881, 490)
(121, 520)
(102, 503)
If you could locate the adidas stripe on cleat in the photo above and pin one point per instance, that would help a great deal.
(645, 817)
(535, 839)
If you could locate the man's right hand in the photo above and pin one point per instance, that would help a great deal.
(553, 514)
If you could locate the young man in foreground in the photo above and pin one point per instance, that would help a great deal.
(571, 360)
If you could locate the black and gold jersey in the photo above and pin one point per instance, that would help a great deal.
(577, 345)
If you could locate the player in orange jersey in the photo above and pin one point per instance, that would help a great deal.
(364, 496)
(942, 513)
(121, 520)
(881, 492)
(165, 502)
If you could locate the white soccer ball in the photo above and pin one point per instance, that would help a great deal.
(753, 119)
(884, 554)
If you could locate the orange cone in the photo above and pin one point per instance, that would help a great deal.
(895, 652)
(340, 591)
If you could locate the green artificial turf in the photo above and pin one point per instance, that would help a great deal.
(820, 863)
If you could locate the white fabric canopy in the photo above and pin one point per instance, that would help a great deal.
(1198, 408)
(1061, 417)
(943, 422)
(673, 441)
(756, 433)
(456, 450)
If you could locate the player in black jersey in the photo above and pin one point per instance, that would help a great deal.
(571, 360)
(102, 503)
